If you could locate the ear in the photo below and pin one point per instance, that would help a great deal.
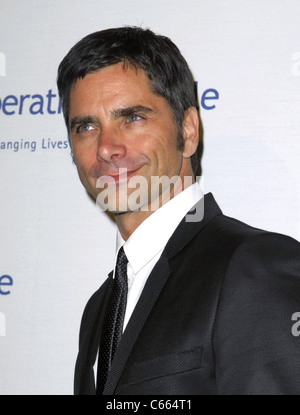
(190, 132)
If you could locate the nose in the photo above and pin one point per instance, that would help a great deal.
(110, 147)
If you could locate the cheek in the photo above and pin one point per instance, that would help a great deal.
(161, 141)
(83, 162)
(168, 153)
(84, 156)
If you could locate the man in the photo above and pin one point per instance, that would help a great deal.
(199, 305)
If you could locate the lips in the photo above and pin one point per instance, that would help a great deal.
(122, 175)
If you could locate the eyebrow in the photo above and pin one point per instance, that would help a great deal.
(131, 110)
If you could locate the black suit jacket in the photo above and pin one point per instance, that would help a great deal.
(215, 316)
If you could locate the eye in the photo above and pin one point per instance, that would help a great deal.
(133, 118)
(83, 128)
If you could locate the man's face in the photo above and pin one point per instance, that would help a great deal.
(117, 122)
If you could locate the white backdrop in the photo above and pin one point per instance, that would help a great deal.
(56, 247)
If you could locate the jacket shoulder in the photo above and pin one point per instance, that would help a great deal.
(256, 352)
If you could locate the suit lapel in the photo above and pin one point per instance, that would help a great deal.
(186, 230)
(155, 283)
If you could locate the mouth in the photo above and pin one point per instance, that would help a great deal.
(120, 176)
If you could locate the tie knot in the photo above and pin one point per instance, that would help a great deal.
(122, 258)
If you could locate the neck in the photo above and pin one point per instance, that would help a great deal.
(127, 222)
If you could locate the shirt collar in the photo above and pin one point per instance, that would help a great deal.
(152, 235)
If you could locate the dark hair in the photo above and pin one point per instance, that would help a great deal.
(156, 55)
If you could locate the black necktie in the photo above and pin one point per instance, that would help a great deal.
(113, 321)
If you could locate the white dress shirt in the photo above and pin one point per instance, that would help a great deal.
(144, 246)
